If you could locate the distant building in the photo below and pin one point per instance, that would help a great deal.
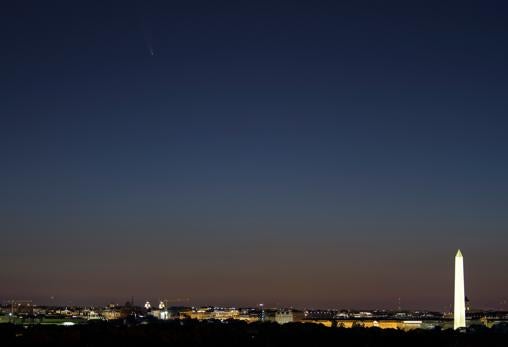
(166, 314)
(283, 317)
(279, 316)
(90, 314)
(226, 313)
(21, 307)
(211, 313)
(113, 313)
(249, 315)
(363, 314)
(319, 314)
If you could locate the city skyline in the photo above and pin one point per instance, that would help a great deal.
(459, 306)
(293, 153)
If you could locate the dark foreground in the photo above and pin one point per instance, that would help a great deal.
(235, 333)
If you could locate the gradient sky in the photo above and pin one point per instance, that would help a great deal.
(309, 154)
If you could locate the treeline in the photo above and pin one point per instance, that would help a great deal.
(236, 333)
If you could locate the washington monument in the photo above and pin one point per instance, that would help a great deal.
(459, 307)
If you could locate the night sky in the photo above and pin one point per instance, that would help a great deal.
(309, 154)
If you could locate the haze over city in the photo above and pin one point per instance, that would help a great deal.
(298, 154)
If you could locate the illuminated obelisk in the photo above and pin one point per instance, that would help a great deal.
(459, 307)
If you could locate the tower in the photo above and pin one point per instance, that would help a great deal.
(459, 307)
(262, 313)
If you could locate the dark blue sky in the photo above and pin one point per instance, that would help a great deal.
(318, 153)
